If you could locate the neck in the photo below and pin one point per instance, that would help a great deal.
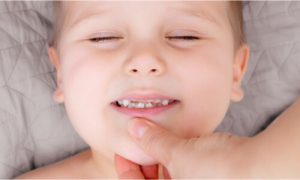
(101, 166)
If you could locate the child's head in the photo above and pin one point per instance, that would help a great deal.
(191, 52)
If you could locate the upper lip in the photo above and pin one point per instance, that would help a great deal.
(144, 96)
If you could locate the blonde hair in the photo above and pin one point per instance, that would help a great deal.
(234, 12)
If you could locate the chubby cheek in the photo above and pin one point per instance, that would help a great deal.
(84, 86)
(207, 97)
(204, 113)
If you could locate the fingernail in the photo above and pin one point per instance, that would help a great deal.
(138, 128)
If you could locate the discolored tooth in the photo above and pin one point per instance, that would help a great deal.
(149, 105)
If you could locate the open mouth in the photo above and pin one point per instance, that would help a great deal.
(143, 108)
(143, 104)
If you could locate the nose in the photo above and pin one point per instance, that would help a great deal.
(145, 63)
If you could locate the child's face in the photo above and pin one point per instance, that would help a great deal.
(145, 54)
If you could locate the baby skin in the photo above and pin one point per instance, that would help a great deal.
(176, 64)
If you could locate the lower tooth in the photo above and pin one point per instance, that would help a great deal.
(149, 105)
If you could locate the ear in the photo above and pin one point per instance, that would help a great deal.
(58, 95)
(239, 70)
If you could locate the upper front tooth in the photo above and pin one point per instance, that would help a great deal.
(140, 105)
(131, 105)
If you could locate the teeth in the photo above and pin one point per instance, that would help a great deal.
(131, 105)
(157, 101)
(140, 105)
(165, 102)
(149, 105)
(143, 104)
(125, 102)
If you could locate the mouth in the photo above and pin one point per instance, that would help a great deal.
(143, 106)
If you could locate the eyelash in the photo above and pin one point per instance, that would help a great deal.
(101, 39)
(108, 38)
(186, 38)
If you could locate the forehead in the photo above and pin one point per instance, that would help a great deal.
(212, 11)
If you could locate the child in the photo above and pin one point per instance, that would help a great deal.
(178, 64)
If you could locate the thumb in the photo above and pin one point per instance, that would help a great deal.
(154, 140)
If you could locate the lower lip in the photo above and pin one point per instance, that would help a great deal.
(147, 112)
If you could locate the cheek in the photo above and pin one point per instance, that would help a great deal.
(85, 81)
(207, 84)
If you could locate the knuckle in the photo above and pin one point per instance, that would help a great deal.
(150, 139)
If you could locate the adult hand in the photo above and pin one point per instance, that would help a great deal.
(219, 155)
(129, 170)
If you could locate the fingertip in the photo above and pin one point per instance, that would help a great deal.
(154, 140)
(138, 126)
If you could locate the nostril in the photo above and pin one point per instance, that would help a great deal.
(134, 71)
(153, 70)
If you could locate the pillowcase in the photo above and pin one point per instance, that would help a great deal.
(34, 130)
(272, 81)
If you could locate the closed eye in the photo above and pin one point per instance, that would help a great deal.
(102, 39)
(187, 38)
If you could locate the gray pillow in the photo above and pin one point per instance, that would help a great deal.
(272, 81)
(35, 131)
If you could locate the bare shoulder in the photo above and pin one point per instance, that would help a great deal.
(67, 168)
